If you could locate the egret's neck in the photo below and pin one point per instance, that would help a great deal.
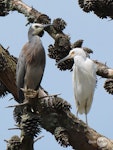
(79, 59)
(83, 55)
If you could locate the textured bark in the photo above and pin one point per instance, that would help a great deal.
(103, 70)
(29, 12)
(7, 71)
(27, 143)
(56, 116)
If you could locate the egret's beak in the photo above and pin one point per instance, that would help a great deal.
(62, 60)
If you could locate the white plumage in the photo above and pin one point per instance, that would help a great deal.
(84, 79)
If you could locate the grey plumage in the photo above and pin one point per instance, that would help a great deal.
(31, 62)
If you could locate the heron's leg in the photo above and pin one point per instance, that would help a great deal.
(29, 93)
(37, 93)
(25, 95)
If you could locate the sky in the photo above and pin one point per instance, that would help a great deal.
(97, 34)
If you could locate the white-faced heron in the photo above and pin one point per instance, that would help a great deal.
(31, 62)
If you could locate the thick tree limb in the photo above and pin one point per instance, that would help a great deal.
(103, 70)
(7, 66)
(31, 14)
(55, 115)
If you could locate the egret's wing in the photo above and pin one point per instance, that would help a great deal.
(88, 66)
(84, 80)
(91, 67)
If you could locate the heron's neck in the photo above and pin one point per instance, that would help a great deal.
(33, 38)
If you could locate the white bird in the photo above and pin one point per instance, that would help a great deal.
(84, 79)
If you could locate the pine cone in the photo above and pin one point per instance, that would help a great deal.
(78, 43)
(61, 136)
(108, 85)
(61, 105)
(14, 143)
(30, 124)
(59, 24)
(4, 7)
(17, 113)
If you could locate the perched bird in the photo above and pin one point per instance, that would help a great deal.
(84, 79)
(31, 62)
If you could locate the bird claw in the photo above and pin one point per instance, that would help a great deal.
(29, 93)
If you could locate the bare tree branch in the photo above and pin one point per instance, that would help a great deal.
(7, 65)
(103, 70)
(29, 12)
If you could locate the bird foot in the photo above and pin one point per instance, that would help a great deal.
(29, 93)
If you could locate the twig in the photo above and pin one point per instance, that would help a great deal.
(14, 129)
(38, 138)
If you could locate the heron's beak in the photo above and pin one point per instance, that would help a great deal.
(40, 29)
(62, 60)
(46, 25)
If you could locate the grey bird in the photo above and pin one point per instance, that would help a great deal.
(31, 61)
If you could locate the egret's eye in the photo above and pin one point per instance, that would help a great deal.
(72, 53)
(36, 26)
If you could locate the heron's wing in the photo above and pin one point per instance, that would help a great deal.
(35, 60)
(20, 73)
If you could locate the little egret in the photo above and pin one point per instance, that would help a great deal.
(84, 79)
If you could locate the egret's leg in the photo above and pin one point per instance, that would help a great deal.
(77, 113)
(77, 109)
(86, 118)
(86, 113)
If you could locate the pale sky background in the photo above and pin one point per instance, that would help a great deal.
(97, 35)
